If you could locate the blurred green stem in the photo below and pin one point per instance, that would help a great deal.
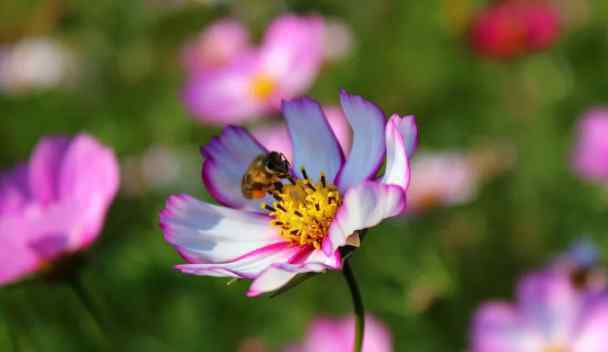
(357, 304)
(75, 282)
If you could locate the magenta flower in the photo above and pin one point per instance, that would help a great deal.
(551, 315)
(512, 28)
(54, 205)
(590, 159)
(254, 81)
(276, 136)
(302, 229)
(336, 335)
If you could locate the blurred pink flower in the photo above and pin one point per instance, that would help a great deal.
(590, 159)
(276, 136)
(550, 315)
(216, 47)
(336, 335)
(255, 81)
(300, 227)
(441, 179)
(55, 204)
(514, 27)
(35, 63)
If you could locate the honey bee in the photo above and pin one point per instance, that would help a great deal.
(264, 175)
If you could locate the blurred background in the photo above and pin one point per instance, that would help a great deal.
(494, 193)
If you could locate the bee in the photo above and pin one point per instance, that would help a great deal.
(264, 175)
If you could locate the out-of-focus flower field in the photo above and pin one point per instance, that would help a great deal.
(511, 169)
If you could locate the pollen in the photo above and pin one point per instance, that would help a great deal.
(303, 210)
(262, 86)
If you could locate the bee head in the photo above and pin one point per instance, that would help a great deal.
(276, 163)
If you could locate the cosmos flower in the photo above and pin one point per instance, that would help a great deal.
(552, 314)
(442, 178)
(54, 205)
(276, 136)
(336, 335)
(216, 47)
(254, 81)
(513, 27)
(35, 63)
(590, 159)
(329, 199)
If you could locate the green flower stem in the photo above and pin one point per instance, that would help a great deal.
(75, 282)
(357, 304)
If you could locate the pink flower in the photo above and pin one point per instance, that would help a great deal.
(276, 137)
(54, 205)
(336, 335)
(446, 178)
(512, 28)
(255, 81)
(301, 230)
(216, 47)
(590, 159)
(550, 315)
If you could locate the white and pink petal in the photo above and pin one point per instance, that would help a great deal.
(248, 266)
(208, 234)
(363, 206)
(368, 145)
(397, 171)
(409, 131)
(279, 274)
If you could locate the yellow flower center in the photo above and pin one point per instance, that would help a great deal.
(303, 211)
(262, 86)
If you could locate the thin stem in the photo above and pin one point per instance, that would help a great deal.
(357, 304)
(75, 282)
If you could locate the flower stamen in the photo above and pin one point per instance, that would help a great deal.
(262, 86)
(303, 210)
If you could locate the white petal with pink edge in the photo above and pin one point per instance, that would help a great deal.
(314, 144)
(207, 233)
(277, 275)
(364, 206)
(227, 158)
(409, 131)
(247, 266)
(397, 170)
(368, 146)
